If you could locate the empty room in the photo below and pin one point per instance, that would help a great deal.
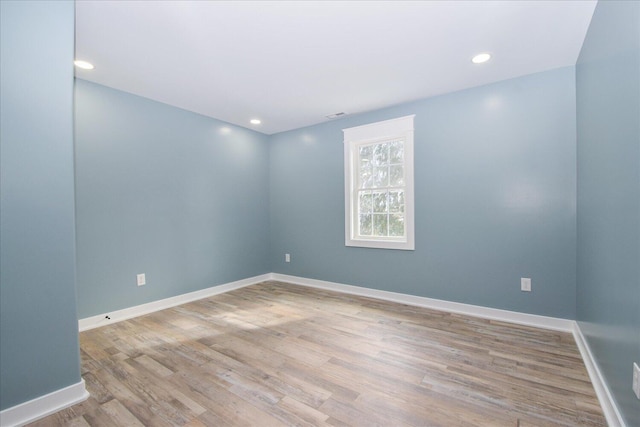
(320, 213)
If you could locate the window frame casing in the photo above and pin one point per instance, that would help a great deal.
(378, 132)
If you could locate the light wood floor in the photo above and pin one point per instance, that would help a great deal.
(275, 354)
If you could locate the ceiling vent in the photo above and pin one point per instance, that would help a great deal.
(336, 115)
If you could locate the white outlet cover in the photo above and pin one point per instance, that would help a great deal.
(525, 284)
(142, 280)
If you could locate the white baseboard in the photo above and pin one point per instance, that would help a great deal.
(609, 407)
(139, 310)
(534, 320)
(42, 406)
(553, 323)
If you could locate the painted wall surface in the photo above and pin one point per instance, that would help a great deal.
(495, 185)
(608, 108)
(180, 197)
(39, 350)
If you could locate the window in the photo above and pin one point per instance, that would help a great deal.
(378, 160)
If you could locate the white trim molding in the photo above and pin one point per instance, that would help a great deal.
(609, 407)
(553, 323)
(42, 406)
(151, 307)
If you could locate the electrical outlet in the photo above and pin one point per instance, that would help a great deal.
(287, 257)
(525, 284)
(636, 380)
(142, 280)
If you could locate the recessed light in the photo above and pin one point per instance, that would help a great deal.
(84, 65)
(480, 58)
(255, 121)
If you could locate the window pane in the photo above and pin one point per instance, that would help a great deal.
(381, 176)
(381, 154)
(366, 177)
(366, 152)
(396, 225)
(396, 152)
(396, 176)
(380, 225)
(380, 202)
(396, 201)
(365, 225)
(365, 202)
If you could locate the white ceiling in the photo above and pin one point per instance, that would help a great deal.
(292, 63)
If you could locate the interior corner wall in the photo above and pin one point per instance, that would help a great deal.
(495, 199)
(608, 268)
(178, 196)
(39, 350)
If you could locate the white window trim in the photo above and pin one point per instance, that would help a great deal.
(400, 127)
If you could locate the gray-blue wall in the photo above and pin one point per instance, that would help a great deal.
(180, 197)
(39, 350)
(608, 107)
(194, 202)
(495, 186)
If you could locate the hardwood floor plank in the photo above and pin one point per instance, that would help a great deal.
(153, 366)
(119, 415)
(223, 406)
(307, 413)
(275, 354)
(134, 403)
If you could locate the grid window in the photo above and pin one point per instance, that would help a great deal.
(378, 181)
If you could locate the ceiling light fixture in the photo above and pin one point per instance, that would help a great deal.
(480, 58)
(255, 121)
(84, 65)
